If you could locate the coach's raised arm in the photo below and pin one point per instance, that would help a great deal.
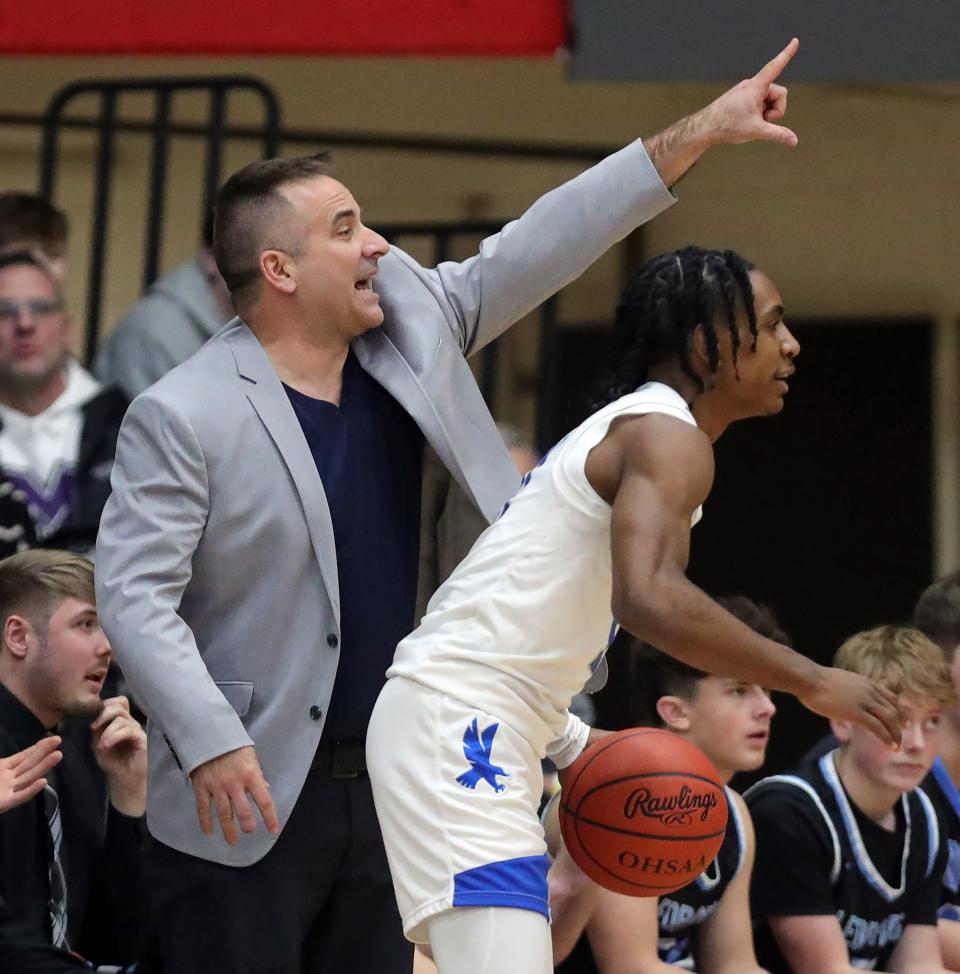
(257, 560)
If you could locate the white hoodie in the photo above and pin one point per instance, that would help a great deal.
(38, 454)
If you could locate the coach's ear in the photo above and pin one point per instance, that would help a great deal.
(673, 712)
(842, 730)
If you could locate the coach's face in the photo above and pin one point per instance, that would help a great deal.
(337, 258)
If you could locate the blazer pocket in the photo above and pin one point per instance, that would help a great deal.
(238, 695)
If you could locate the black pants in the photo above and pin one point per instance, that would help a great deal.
(319, 902)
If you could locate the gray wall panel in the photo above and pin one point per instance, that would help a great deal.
(859, 40)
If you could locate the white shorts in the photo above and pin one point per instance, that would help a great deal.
(457, 792)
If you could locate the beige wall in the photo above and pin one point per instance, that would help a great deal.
(861, 219)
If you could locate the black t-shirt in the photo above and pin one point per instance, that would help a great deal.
(819, 855)
(681, 912)
(369, 454)
(946, 799)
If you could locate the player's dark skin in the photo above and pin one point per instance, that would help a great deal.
(655, 471)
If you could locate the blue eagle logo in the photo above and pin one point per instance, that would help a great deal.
(476, 749)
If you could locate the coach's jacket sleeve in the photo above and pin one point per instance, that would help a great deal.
(150, 529)
(546, 248)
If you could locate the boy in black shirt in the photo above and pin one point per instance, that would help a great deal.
(849, 854)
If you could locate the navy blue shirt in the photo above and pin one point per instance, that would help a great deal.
(369, 455)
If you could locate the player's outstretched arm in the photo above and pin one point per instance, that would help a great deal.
(748, 112)
(656, 471)
(724, 942)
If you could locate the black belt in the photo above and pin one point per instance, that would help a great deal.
(340, 759)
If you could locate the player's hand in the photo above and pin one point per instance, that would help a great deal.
(21, 774)
(841, 695)
(748, 111)
(120, 747)
(223, 784)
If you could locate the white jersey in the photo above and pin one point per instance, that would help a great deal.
(514, 630)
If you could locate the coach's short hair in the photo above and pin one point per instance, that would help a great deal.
(248, 216)
(656, 674)
(937, 613)
(29, 219)
(34, 582)
(902, 659)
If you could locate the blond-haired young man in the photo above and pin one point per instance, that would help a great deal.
(68, 877)
(849, 853)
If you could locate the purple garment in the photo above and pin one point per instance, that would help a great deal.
(47, 502)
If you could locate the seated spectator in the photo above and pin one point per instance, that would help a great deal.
(179, 312)
(849, 859)
(58, 426)
(30, 223)
(937, 616)
(706, 925)
(68, 865)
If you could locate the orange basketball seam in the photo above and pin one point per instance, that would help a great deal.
(650, 835)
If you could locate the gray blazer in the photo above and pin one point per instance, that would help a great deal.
(216, 567)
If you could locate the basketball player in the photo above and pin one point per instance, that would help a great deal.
(478, 694)
(706, 925)
(849, 853)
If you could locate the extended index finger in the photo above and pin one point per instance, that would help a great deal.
(773, 68)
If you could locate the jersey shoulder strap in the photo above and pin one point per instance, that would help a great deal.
(737, 816)
(794, 781)
(933, 828)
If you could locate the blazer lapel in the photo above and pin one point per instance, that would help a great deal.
(266, 395)
(481, 465)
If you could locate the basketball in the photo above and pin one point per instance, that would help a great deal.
(643, 812)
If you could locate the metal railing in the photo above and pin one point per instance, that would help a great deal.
(107, 124)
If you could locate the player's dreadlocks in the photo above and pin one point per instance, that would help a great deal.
(664, 302)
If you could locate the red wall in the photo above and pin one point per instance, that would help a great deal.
(335, 27)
